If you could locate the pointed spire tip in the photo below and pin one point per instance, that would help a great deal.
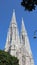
(13, 10)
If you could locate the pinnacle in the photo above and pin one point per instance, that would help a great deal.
(23, 26)
(13, 20)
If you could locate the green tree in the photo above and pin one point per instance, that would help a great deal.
(7, 59)
(29, 4)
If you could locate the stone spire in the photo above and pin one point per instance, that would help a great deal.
(13, 35)
(13, 44)
(23, 32)
(26, 45)
(13, 25)
(23, 28)
(24, 38)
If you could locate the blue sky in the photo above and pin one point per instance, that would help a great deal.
(30, 21)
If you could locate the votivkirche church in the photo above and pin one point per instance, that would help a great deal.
(19, 45)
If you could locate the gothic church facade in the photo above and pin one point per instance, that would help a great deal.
(19, 46)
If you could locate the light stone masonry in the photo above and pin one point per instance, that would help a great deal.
(19, 46)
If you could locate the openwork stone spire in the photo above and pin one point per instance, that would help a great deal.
(15, 46)
(13, 40)
(25, 39)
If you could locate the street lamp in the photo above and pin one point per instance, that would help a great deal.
(35, 34)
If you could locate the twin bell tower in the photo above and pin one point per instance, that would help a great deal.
(18, 46)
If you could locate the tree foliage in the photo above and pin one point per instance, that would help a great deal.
(7, 59)
(29, 4)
